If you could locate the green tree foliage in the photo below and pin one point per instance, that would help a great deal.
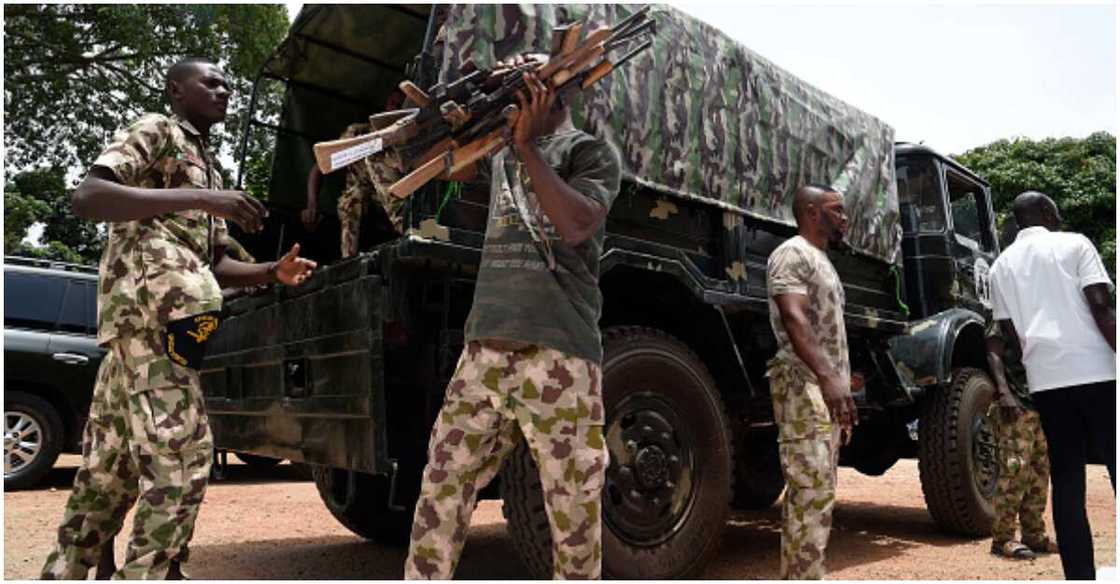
(41, 196)
(1079, 174)
(75, 73)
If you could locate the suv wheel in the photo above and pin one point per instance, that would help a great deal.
(32, 439)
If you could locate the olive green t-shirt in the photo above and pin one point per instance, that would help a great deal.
(532, 287)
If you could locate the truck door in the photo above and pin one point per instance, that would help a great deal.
(973, 241)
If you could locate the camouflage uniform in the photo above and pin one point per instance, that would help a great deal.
(494, 398)
(1024, 466)
(369, 178)
(808, 441)
(147, 438)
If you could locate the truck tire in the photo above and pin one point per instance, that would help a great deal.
(256, 461)
(957, 454)
(33, 438)
(667, 493)
(360, 502)
(758, 471)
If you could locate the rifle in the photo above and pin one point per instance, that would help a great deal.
(461, 122)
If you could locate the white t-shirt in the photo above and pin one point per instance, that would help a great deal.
(1037, 283)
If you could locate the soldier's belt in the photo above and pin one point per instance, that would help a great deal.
(185, 339)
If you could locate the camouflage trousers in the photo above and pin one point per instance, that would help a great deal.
(369, 179)
(494, 398)
(1024, 476)
(147, 441)
(809, 450)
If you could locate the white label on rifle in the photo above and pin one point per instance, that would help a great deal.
(355, 153)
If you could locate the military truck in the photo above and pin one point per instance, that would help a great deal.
(348, 371)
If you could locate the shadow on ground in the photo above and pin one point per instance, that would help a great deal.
(488, 556)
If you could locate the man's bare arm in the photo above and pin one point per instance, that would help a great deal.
(575, 216)
(100, 197)
(995, 348)
(1104, 314)
(837, 394)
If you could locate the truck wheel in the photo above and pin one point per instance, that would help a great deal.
(758, 471)
(32, 439)
(257, 461)
(668, 487)
(957, 454)
(360, 502)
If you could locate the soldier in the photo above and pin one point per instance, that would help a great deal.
(1024, 471)
(531, 366)
(369, 178)
(147, 439)
(810, 380)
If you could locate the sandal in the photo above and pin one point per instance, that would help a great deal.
(1012, 549)
(1044, 545)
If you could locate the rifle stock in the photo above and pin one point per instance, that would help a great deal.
(335, 154)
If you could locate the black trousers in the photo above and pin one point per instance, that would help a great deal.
(1079, 421)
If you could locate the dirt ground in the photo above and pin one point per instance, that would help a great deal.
(270, 524)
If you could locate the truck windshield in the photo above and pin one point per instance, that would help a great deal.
(919, 195)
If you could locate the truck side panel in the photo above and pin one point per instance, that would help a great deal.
(295, 374)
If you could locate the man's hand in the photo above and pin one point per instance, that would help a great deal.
(291, 269)
(310, 217)
(535, 119)
(237, 206)
(838, 397)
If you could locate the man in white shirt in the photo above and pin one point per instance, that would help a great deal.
(1051, 293)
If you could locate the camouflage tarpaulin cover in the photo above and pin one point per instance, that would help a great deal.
(701, 116)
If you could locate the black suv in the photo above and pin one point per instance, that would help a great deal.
(51, 359)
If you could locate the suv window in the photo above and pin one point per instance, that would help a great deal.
(32, 300)
(79, 310)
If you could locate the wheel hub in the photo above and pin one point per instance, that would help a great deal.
(985, 454)
(652, 467)
(650, 482)
(22, 441)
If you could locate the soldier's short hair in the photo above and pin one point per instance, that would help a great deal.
(801, 202)
(182, 68)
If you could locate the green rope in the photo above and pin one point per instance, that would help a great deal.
(898, 290)
(454, 189)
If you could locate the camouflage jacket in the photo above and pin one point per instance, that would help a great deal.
(158, 269)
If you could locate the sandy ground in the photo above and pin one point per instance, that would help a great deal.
(270, 524)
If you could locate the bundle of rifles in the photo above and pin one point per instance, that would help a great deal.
(459, 123)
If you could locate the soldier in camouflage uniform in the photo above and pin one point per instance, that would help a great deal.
(147, 439)
(1024, 467)
(369, 178)
(366, 179)
(809, 377)
(532, 363)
